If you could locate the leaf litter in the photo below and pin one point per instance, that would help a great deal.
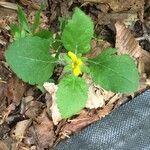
(35, 128)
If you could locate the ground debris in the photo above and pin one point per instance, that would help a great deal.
(3, 146)
(20, 129)
(34, 129)
(85, 118)
(127, 44)
(9, 5)
(33, 109)
(33, 4)
(15, 90)
(98, 45)
(120, 5)
(125, 41)
(95, 98)
(44, 130)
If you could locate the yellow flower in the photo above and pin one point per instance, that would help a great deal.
(76, 64)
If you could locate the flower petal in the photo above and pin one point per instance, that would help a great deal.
(72, 56)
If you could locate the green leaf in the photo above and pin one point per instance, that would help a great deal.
(71, 95)
(45, 34)
(77, 34)
(14, 28)
(29, 58)
(62, 21)
(17, 32)
(22, 19)
(37, 19)
(114, 73)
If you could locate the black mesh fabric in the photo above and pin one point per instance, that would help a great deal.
(127, 128)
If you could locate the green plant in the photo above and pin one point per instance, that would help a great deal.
(31, 58)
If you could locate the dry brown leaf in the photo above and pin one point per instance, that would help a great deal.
(128, 17)
(31, 136)
(95, 99)
(3, 146)
(44, 130)
(146, 60)
(6, 113)
(148, 82)
(15, 90)
(125, 41)
(20, 129)
(2, 89)
(113, 99)
(98, 46)
(141, 65)
(9, 5)
(84, 119)
(78, 123)
(105, 111)
(52, 88)
(121, 5)
(126, 44)
(33, 109)
(32, 4)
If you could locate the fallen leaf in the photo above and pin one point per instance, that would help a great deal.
(20, 129)
(8, 110)
(9, 5)
(52, 88)
(146, 60)
(126, 44)
(95, 99)
(2, 90)
(15, 90)
(45, 131)
(120, 5)
(84, 119)
(4, 73)
(78, 123)
(124, 99)
(33, 109)
(113, 99)
(127, 17)
(32, 4)
(3, 146)
(98, 45)
(148, 82)
(30, 137)
(105, 111)
(125, 41)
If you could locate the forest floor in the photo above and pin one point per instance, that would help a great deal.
(25, 118)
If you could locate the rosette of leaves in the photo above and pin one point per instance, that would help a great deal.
(29, 58)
